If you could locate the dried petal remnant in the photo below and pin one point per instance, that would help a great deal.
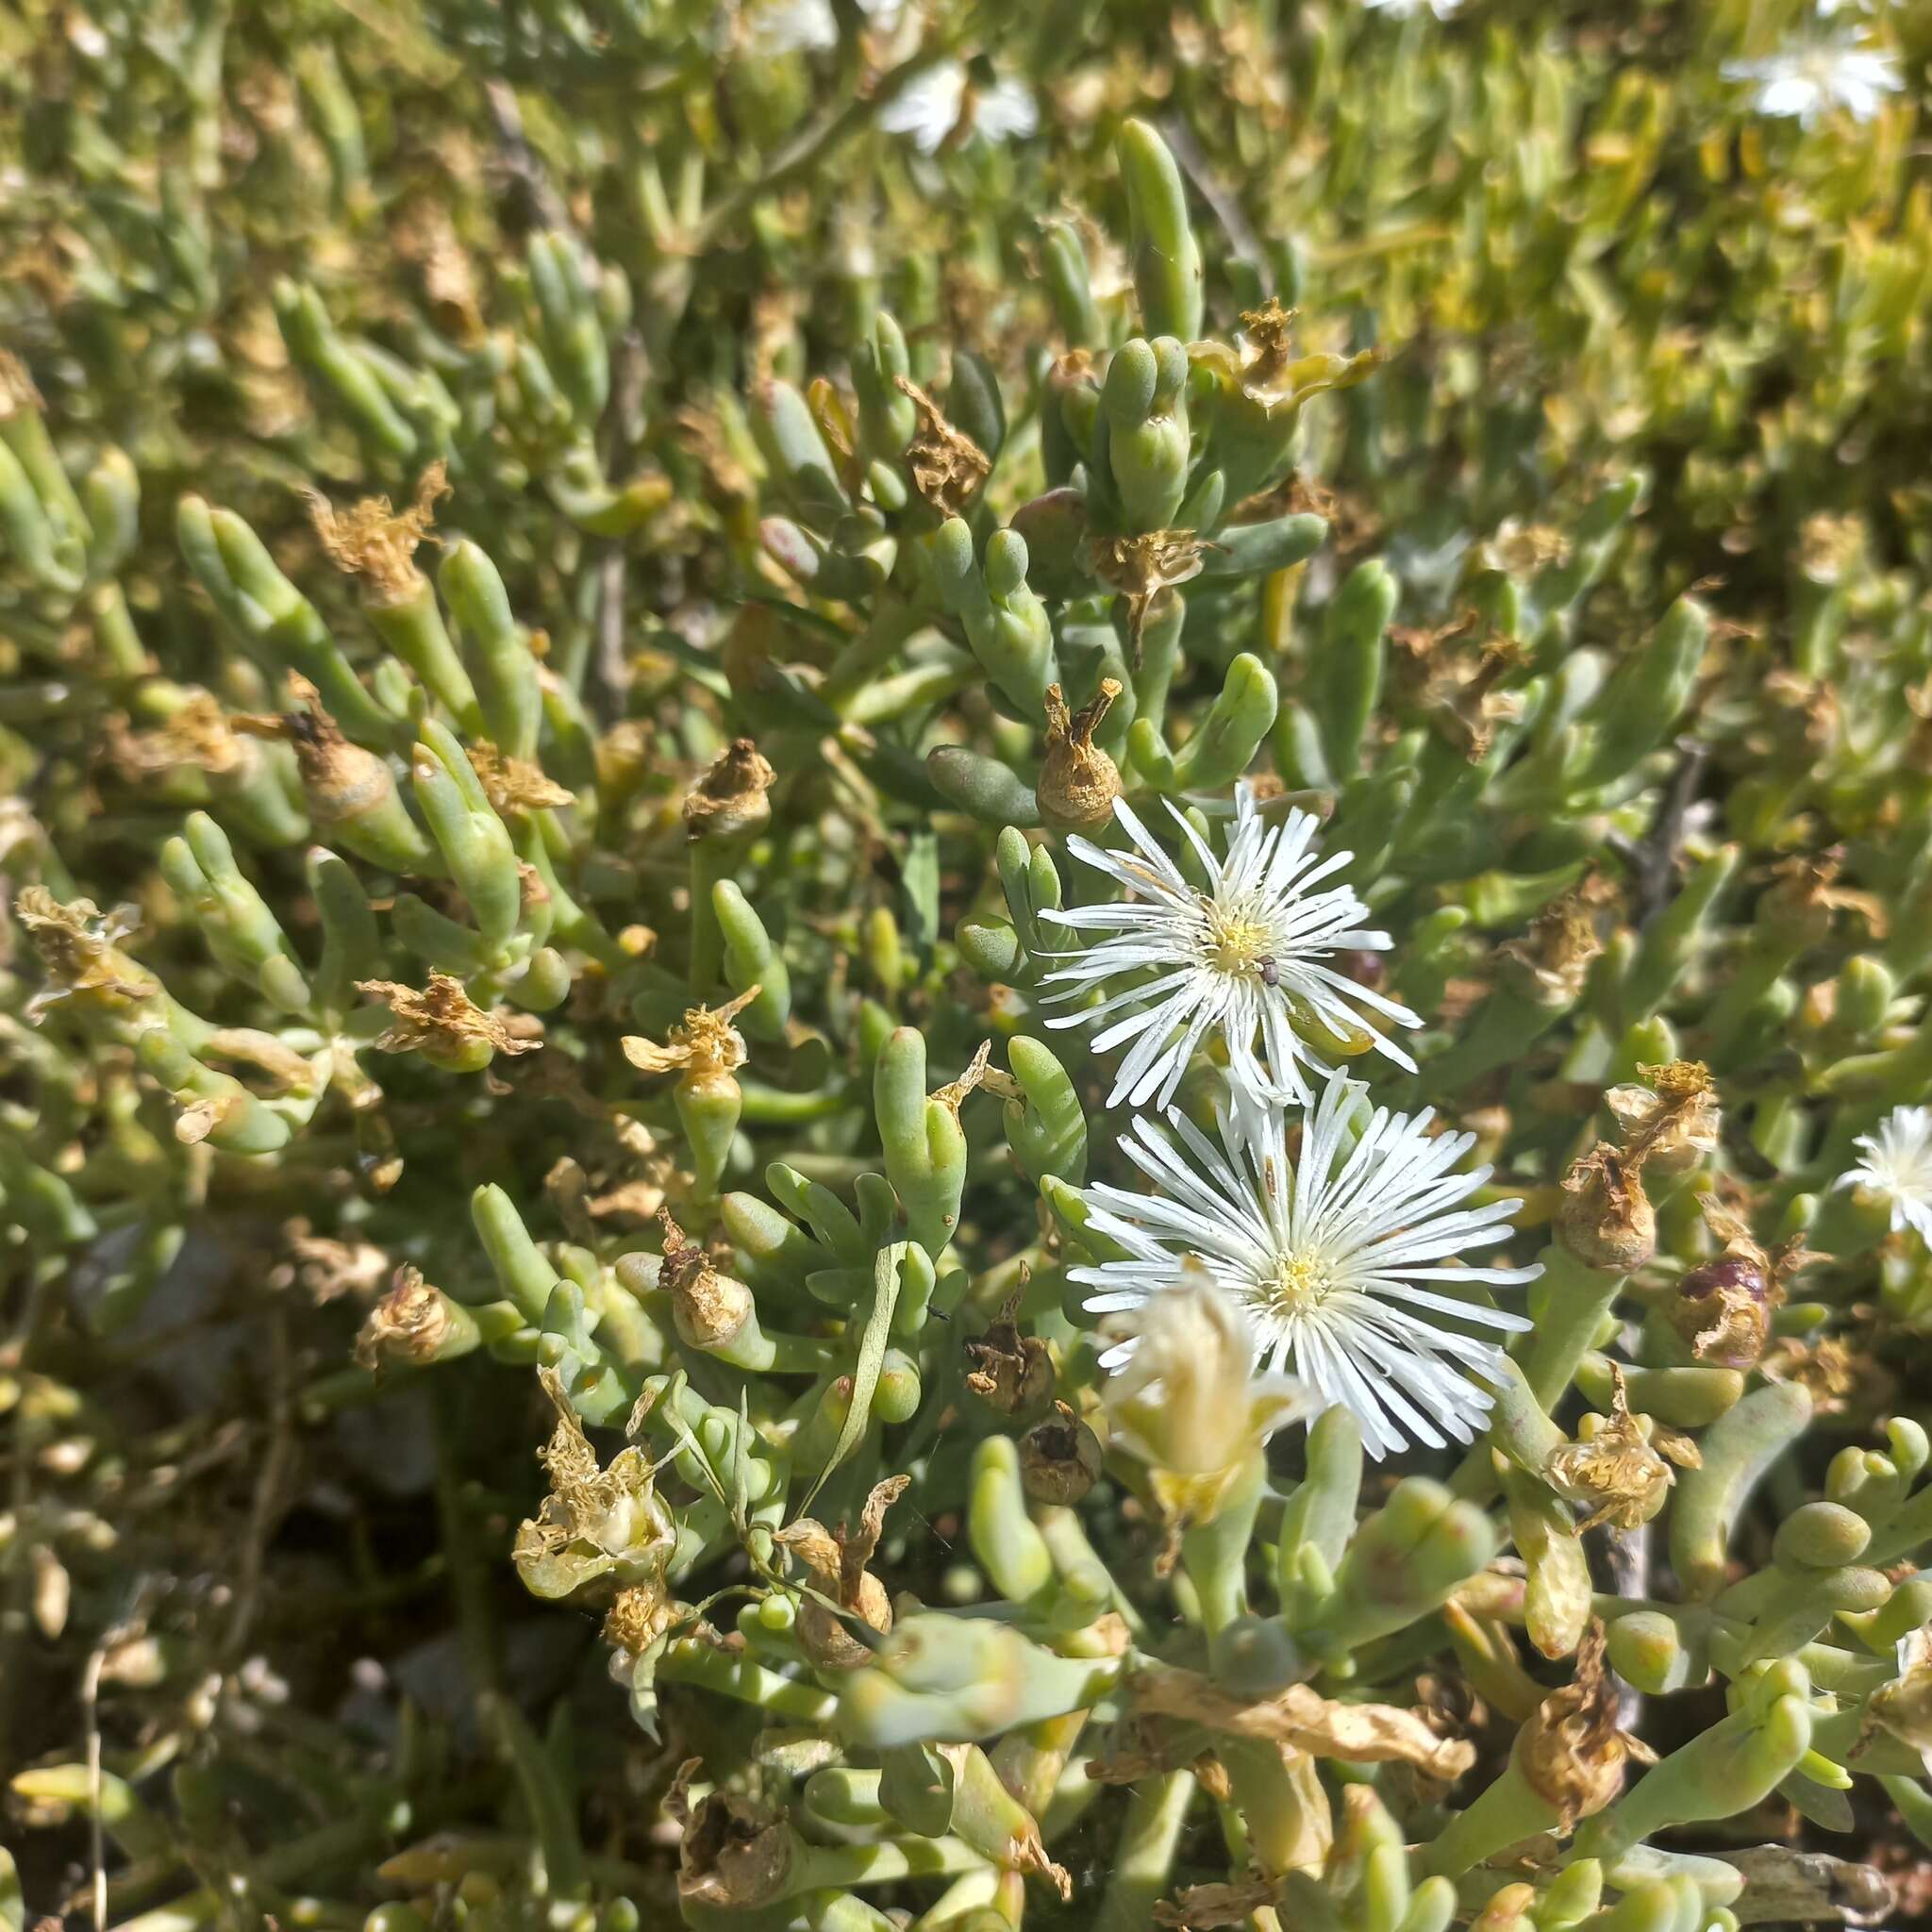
(1322, 1726)
(375, 540)
(835, 1560)
(443, 1021)
(1672, 1122)
(599, 1526)
(730, 798)
(948, 467)
(703, 1043)
(1616, 1466)
(1144, 568)
(1079, 782)
(79, 946)
(1571, 1753)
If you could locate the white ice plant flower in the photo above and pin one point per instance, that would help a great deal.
(776, 27)
(1327, 1254)
(1897, 1166)
(930, 106)
(1188, 1401)
(1246, 959)
(791, 26)
(1808, 81)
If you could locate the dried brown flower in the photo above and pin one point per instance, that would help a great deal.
(326, 1270)
(1144, 568)
(1671, 1123)
(948, 467)
(708, 1308)
(1606, 1219)
(599, 1527)
(704, 1043)
(733, 1854)
(1266, 369)
(1805, 894)
(514, 784)
(1615, 1463)
(1551, 963)
(729, 800)
(836, 1562)
(1301, 1716)
(638, 1616)
(79, 946)
(1571, 1753)
(410, 1323)
(1458, 690)
(198, 734)
(1523, 549)
(373, 540)
(1012, 1373)
(1830, 1372)
(1079, 782)
(443, 1022)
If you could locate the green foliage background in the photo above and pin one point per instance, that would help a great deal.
(1582, 585)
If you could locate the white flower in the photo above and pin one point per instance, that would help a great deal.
(791, 26)
(1403, 9)
(931, 107)
(1187, 1401)
(1327, 1254)
(1243, 958)
(1811, 81)
(1897, 1166)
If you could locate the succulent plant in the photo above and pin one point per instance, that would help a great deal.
(1062, 1060)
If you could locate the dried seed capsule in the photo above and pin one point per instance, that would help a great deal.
(729, 801)
(1606, 1219)
(708, 1308)
(836, 1561)
(1011, 1372)
(1060, 1458)
(1079, 782)
(1722, 1310)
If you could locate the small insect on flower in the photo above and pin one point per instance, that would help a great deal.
(1247, 957)
(1897, 1168)
(1326, 1255)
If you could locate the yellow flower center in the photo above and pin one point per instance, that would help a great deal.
(1300, 1282)
(1237, 944)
